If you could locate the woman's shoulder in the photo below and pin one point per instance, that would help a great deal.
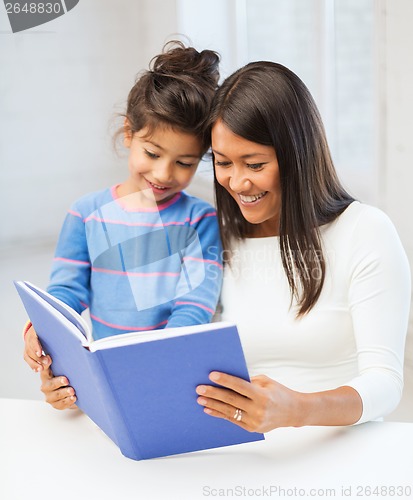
(361, 218)
(363, 229)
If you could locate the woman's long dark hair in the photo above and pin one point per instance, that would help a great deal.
(266, 103)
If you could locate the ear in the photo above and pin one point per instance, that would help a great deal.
(127, 133)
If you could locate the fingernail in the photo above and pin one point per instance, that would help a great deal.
(202, 401)
(38, 354)
(45, 361)
(62, 380)
(201, 389)
(214, 376)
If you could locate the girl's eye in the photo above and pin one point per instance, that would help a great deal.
(151, 155)
(185, 165)
(255, 166)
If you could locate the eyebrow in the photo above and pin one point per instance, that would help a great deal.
(249, 155)
(163, 149)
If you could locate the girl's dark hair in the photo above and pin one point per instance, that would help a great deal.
(176, 91)
(266, 103)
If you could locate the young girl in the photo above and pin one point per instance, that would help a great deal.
(144, 255)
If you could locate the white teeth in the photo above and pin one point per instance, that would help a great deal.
(250, 199)
(158, 187)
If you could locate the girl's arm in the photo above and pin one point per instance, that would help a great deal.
(201, 274)
(70, 275)
(70, 283)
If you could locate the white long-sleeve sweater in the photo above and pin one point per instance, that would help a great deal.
(355, 334)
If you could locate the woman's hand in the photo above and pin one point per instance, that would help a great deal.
(264, 403)
(33, 351)
(57, 390)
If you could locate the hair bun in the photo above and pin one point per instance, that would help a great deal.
(177, 60)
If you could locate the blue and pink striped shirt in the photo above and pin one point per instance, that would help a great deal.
(138, 268)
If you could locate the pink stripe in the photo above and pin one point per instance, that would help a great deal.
(212, 214)
(205, 260)
(144, 224)
(128, 328)
(127, 273)
(196, 305)
(72, 261)
(158, 208)
(76, 214)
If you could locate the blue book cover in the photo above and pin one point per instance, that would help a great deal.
(139, 387)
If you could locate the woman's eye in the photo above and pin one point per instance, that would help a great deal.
(255, 166)
(222, 163)
(151, 155)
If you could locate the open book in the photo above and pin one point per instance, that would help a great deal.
(139, 387)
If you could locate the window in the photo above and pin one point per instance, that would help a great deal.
(330, 44)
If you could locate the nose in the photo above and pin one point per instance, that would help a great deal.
(164, 173)
(238, 180)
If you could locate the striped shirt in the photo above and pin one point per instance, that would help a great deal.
(138, 268)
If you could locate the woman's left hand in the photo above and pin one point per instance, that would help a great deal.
(264, 403)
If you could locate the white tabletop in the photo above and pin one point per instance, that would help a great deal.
(45, 453)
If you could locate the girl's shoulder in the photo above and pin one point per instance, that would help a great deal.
(194, 206)
(90, 202)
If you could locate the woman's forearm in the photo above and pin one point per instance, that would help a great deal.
(265, 404)
(341, 406)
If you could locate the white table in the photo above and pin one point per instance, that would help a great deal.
(45, 454)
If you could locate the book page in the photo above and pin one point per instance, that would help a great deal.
(65, 310)
(153, 335)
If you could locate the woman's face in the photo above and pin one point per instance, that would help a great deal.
(249, 172)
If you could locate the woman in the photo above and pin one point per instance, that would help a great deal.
(317, 282)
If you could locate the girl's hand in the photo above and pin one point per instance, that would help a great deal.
(57, 390)
(33, 352)
(264, 403)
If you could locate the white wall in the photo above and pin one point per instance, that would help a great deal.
(397, 174)
(61, 84)
(396, 179)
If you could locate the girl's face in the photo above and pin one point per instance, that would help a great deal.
(249, 172)
(161, 163)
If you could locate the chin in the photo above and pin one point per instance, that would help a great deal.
(252, 219)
